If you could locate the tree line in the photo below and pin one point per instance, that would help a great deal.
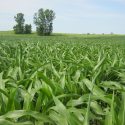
(43, 20)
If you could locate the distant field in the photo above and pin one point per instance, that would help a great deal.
(63, 79)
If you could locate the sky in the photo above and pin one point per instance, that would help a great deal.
(72, 16)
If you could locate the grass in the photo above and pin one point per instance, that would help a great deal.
(62, 79)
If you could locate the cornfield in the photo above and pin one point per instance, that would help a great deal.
(62, 80)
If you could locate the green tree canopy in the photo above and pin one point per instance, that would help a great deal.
(27, 29)
(43, 20)
(19, 27)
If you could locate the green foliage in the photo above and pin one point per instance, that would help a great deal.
(27, 29)
(44, 21)
(62, 80)
(19, 27)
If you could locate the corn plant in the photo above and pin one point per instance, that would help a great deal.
(62, 80)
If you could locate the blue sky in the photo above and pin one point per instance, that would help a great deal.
(72, 16)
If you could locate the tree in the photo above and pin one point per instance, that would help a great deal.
(27, 29)
(43, 20)
(19, 27)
